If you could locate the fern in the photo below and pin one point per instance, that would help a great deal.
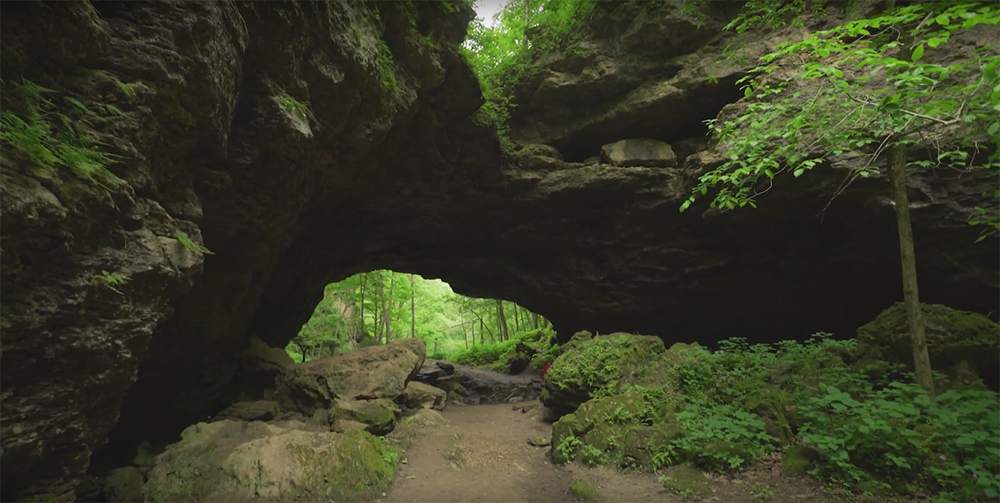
(111, 281)
(72, 146)
(186, 241)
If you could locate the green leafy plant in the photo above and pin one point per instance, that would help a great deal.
(110, 280)
(27, 130)
(859, 96)
(295, 106)
(721, 438)
(567, 449)
(762, 492)
(896, 434)
(387, 68)
(127, 89)
(591, 456)
(188, 243)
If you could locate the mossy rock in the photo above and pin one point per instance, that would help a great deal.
(617, 430)
(145, 455)
(603, 362)
(581, 490)
(419, 395)
(952, 337)
(124, 484)
(379, 415)
(685, 481)
(660, 371)
(641, 442)
(570, 425)
(375, 372)
(237, 461)
(799, 460)
(771, 405)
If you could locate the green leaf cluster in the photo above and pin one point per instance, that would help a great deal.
(859, 89)
(894, 439)
(35, 131)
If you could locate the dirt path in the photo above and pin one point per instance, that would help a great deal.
(482, 454)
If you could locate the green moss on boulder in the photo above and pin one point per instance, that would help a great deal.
(799, 460)
(952, 337)
(236, 461)
(603, 362)
(618, 430)
(378, 415)
(581, 490)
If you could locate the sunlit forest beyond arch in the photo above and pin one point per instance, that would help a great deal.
(380, 306)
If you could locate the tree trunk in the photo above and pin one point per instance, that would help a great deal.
(527, 9)
(517, 319)
(387, 313)
(302, 349)
(908, 260)
(413, 310)
(340, 318)
(364, 282)
(534, 321)
(502, 319)
(465, 334)
(377, 320)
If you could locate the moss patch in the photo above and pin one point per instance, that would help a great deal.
(952, 336)
(378, 415)
(237, 461)
(621, 430)
(799, 460)
(581, 490)
(607, 362)
(360, 468)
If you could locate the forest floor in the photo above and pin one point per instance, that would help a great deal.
(480, 453)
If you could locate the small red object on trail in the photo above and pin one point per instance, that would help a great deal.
(545, 369)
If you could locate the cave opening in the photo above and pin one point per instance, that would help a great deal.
(381, 305)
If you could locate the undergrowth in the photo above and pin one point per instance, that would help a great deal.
(871, 428)
(536, 346)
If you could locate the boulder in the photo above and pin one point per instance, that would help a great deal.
(960, 343)
(260, 410)
(639, 152)
(434, 370)
(374, 372)
(257, 368)
(589, 364)
(238, 461)
(425, 417)
(379, 415)
(423, 396)
(124, 485)
(637, 423)
(541, 150)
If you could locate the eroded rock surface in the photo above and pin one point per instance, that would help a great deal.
(273, 133)
(236, 461)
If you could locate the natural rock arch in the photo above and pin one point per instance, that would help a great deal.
(383, 174)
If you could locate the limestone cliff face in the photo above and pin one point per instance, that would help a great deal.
(303, 142)
(246, 126)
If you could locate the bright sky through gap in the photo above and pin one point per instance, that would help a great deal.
(486, 8)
